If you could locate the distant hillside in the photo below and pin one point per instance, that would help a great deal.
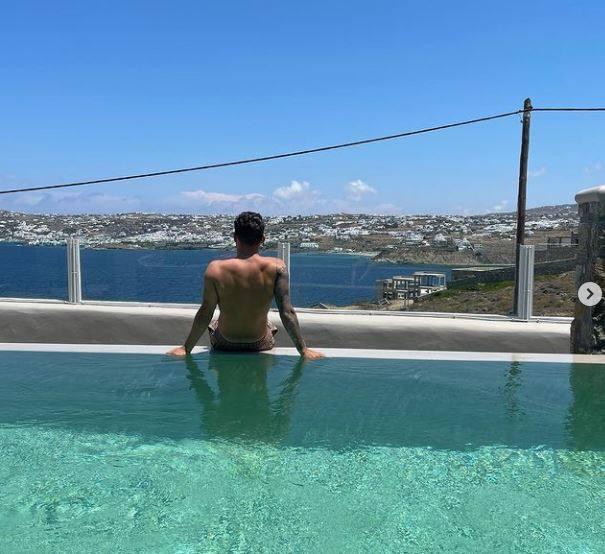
(561, 210)
(552, 210)
(548, 211)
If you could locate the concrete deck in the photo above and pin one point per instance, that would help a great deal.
(128, 323)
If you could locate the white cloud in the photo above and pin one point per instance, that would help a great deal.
(594, 168)
(220, 202)
(296, 190)
(538, 172)
(209, 198)
(500, 206)
(297, 197)
(386, 209)
(28, 199)
(356, 190)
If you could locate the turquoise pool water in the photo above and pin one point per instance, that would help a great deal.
(142, 453)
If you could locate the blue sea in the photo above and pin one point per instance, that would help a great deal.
(176, 275)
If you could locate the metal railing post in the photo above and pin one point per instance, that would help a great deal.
(525, 292)
(74, 276)
(283, 253)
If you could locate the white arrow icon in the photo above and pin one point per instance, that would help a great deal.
(590, 294)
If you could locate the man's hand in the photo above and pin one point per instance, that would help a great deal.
(179, 352)
(309, 354)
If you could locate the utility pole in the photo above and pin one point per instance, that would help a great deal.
(522, 195)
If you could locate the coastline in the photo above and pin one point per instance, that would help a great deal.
(173, 275)
(372, 256)
(163, 247)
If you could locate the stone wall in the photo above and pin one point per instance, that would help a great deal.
(588, 327)
(508, 273)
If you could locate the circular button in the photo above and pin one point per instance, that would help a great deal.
(590, 294)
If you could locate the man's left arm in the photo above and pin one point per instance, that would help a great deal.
(203, 317)
(289, 319)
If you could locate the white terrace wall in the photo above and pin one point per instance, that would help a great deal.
(56, 322)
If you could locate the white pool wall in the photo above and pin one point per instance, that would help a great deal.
(112, 323)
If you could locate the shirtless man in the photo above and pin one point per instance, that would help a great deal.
(244, 287)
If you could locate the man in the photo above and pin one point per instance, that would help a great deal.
(244, 287)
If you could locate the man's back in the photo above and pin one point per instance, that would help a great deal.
(245, 288)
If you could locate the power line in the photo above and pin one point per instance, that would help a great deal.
(567, 110)
(264, 158)
(295, 153)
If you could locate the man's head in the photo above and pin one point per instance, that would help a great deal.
(249, 229)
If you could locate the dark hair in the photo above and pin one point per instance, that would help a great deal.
(249, 228)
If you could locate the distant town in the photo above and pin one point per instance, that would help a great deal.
(448, 239)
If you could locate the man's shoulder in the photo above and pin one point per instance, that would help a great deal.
(270, 260)
(214, 267)
(264, 263)
(272, 263)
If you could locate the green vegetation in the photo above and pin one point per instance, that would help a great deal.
(553, 296)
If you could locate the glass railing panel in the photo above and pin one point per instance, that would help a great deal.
(33, 271)
(171, 275)
(398, 271)
(481, 280)
(449, 264)
(554, 278)
(347, 281)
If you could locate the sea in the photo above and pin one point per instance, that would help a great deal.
(145, 275)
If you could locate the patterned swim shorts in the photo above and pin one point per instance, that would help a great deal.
(220, 343)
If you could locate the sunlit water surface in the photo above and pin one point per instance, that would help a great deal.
(142, 453)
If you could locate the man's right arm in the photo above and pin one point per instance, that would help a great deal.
(203, 315)
(288, 315)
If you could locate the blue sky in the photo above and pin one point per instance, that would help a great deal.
(97, 89)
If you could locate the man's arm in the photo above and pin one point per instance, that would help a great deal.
(203, 317)
(288, 315)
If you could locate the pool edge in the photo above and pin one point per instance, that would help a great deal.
(330, 353)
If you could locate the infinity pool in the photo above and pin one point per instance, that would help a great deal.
(258, 453)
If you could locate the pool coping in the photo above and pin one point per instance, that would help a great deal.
(115, 305)
(329, 352)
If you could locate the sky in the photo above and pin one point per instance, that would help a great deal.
(100, 89)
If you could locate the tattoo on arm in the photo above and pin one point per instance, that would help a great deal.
(286, 310)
